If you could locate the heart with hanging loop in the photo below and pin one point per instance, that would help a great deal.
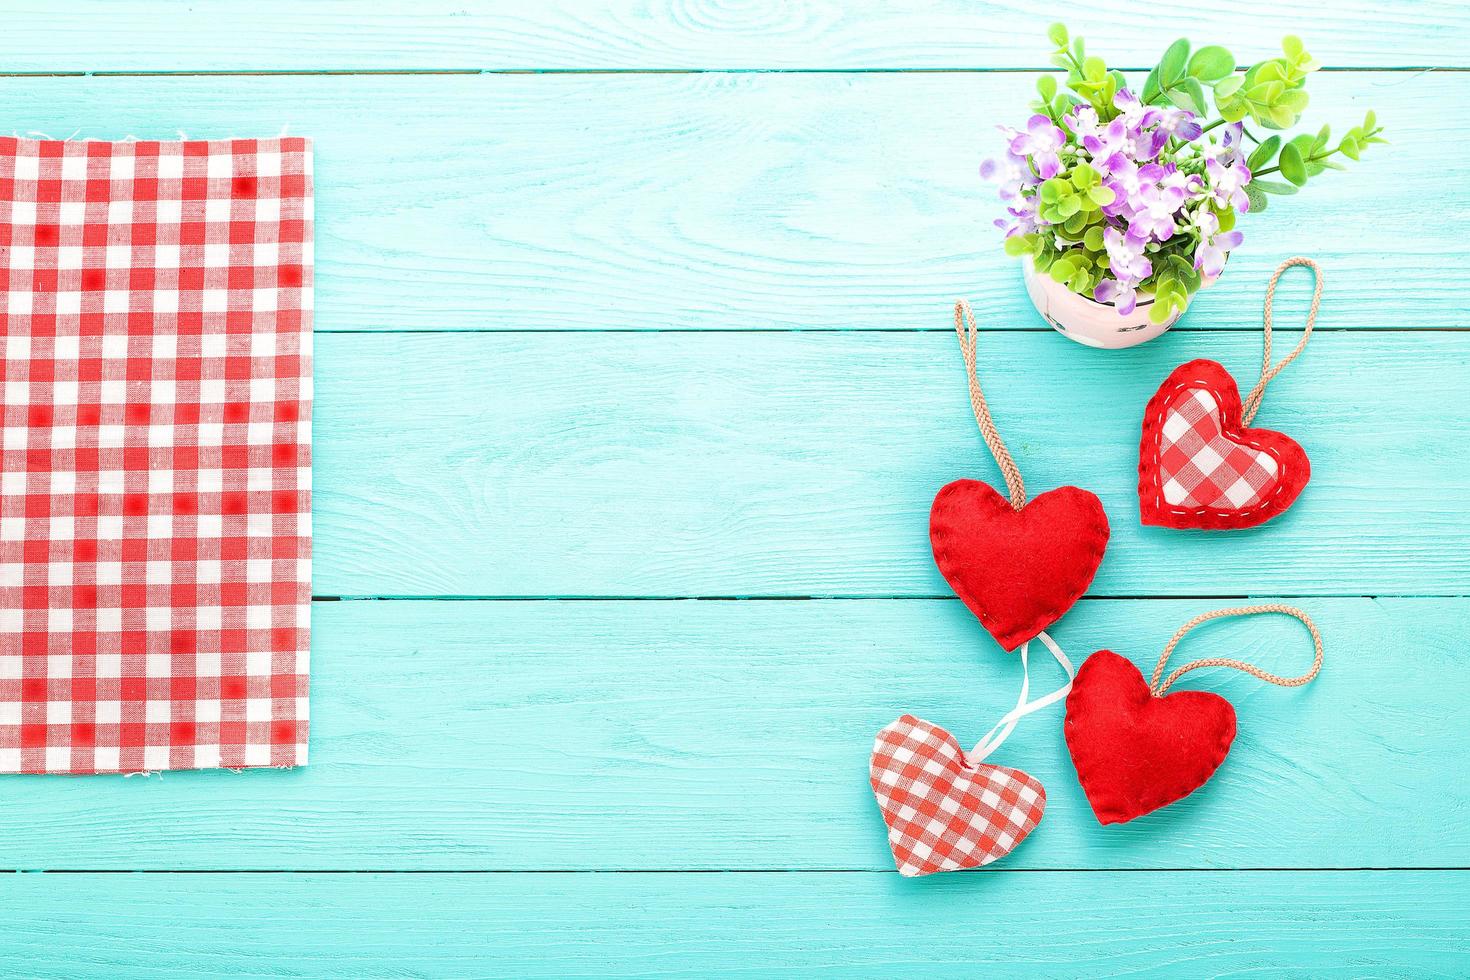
(1199, 466)
(1018, 567)
(1137, 748)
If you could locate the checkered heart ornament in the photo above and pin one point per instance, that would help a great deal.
(1018, 567)
(1199, 466)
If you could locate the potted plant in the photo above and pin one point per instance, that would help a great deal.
(1123, 204)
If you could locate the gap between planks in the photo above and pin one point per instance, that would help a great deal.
(976, 70)
(695, 871)
(861, 598)
(864, 330)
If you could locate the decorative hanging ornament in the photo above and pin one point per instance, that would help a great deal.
(1198, 464)
(1136, 748)
(1018, 567)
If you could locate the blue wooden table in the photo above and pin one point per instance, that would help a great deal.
(635, 380)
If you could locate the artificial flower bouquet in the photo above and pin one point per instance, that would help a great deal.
(1128, 197)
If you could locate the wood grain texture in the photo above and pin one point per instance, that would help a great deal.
(692, 738)
(218, 35)
(804, 464)
(1218, 924)
(738, 202)
(735, 735)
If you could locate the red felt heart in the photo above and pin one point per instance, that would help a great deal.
(1199, 467)
(944, 814)
(1135, 751)
(1017, 570)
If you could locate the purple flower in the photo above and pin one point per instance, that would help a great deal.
(1125, 254)
(1228, 148)
(1123, 295)
(1023, 211)
(1125, 182)
(1209, 257)
(1179, 123)
(1109, 146)
(1147, 144)
(1154, 208)
(1227, 184)
(1011, 172)
(1172, 176)
(1083, 121)
(1127, 103)
(1041, 141)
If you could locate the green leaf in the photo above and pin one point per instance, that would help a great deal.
(1228, 86)
(1282, 117)
(1370, 121)
(1211, 63)
(1293, 167)
(1349, 147)
(1190, 94)
(1046, 86)
(1303, 143)
(1184, 271)
(1094, 238)
(1292, 45)
(1151, 90)
(1101, 196)
(1273, 187)
(1266, 93)
(1233, 111)
(1165, 303)
(1269, 71)
(1060, 60)
(1323, 135)
(1057, 34)
(1172, 64)
(1294, 99)
(1262, 155)
(1017, 245)
(1095, 70)
(1256, 196)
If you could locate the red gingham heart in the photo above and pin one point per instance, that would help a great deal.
(944, 814)
(1199, 467)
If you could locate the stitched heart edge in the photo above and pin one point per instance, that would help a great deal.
(1293, 469)
(1109, 812)
(941, 537)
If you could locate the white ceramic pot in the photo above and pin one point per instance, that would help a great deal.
(1088, 321)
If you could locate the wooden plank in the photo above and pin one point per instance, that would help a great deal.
(216, 35)
(734, 735)
(804, 464)
(742, 202)
(560, 925)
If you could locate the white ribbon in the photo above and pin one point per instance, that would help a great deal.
(1007, 724)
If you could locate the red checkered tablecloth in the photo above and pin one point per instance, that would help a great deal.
(155, 481)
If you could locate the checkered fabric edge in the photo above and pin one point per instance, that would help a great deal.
(155, 493)
(942, 813)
